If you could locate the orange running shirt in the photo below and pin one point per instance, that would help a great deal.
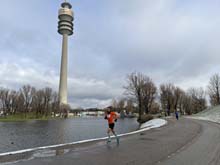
(111, 117)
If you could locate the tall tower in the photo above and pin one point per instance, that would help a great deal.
(65, 28)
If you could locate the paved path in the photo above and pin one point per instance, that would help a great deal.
(150, 147)
(204, 150)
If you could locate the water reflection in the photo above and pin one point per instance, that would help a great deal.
(22, 135)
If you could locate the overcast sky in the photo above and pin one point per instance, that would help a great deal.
(169, 40)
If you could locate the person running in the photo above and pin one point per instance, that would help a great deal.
(112, 118)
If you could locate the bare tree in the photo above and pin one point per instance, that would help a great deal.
(121, 105)
(174, 99)
(155, 108)
(28, 99)
(38, 102)
(178, 94)
(130, 106)
(27, 93)
(9, 101)
(149, 94)
(55, 103)
(13, 101)
(186, 104)
(135, 89)
(167, 97)
(182, 103)
(19, 103)
(114, 104)
(5, 100)
(198, 101)
(214, 90)
(47, 100)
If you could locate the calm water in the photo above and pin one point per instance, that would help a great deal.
(22, 135)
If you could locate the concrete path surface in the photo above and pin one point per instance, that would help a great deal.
(157, 146)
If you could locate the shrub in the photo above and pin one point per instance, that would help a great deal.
(159, 116)
(145, 118)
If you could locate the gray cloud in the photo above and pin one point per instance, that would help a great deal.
(171, 41)
(159, 36)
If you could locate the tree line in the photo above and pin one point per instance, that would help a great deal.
(142, 96)
(28, 99)
(145, 97)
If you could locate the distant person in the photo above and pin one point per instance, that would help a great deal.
(177, 115)
(112, 118)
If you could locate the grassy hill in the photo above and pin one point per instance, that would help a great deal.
(211, 114)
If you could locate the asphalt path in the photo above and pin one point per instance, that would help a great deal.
(183, 142)
(204, 150)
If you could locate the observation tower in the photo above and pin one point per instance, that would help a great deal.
(65, 28)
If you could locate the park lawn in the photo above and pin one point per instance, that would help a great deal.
(21, 117)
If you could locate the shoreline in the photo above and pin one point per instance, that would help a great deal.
(2, 119)
(31, 151)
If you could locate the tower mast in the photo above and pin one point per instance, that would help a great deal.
(65, 28)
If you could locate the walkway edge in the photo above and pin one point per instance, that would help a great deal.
(82, 141)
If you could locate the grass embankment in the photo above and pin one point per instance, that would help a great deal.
(21, 117)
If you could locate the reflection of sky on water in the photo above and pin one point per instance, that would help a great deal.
(22, 135)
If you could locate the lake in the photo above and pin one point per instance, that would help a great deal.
(22, 135)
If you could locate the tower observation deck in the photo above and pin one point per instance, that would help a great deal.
(65, 28)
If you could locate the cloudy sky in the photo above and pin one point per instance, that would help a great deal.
(169, 40)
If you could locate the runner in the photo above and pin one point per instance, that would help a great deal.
(112, 118)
